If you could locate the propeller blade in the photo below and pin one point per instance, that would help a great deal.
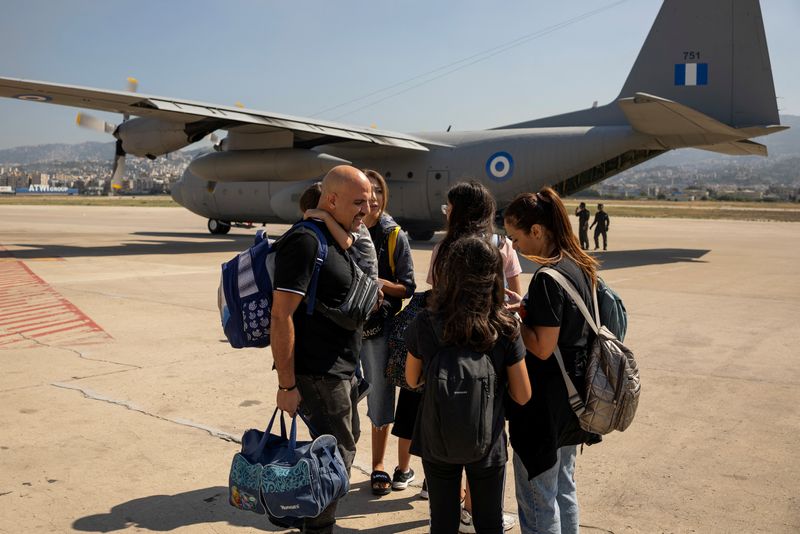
(93, 123)
(133, 85)
(118, 170)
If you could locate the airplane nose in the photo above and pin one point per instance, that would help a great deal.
(175, 192)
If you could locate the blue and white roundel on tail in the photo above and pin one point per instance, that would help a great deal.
(500, 166)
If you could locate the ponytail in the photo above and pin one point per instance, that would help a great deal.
(545, 208)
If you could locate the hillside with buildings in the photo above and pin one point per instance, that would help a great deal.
(695, 174)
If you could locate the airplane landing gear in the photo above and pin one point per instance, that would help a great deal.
(218, 227)
(421, 235)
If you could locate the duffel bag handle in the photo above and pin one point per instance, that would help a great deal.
(293, 431)
(265, 437)
(292, 437)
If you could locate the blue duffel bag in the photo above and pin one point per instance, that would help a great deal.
(278, 476)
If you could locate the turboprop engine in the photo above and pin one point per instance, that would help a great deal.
(270, 165)
(149, 138)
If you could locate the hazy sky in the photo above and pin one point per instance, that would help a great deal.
(302, 58)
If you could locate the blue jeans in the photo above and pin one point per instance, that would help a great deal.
(380, 399)
(549, 502)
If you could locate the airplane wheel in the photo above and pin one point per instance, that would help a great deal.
(218, 227)
(421, 235)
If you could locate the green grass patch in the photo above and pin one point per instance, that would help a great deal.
(151, 201)
(737, 211)
(744, 211)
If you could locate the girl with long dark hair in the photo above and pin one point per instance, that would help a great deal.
(545, 432)
(470, 211)
(467, 313)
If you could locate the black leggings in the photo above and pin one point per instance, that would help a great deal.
(444, 489)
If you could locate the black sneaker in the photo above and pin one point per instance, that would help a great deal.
(401, 480)
(423, 493)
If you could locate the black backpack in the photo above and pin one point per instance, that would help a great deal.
(458, 405)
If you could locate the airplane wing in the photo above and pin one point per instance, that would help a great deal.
(310, 131)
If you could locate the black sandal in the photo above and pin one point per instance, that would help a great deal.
(381, 483)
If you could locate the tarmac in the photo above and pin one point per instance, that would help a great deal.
(120, 401)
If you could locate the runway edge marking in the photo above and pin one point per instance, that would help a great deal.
(59, 323)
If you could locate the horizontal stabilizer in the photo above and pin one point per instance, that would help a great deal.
(677, 126)
(656, 116)
(737, 148)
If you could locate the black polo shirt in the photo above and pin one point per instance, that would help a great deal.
(320, 346)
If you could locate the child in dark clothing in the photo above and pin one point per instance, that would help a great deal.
(468, 313)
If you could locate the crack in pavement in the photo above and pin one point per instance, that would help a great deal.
(597, 528)
(89, 394)
(213, 432)
(77, 352)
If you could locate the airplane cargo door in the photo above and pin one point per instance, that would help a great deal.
(438, 185)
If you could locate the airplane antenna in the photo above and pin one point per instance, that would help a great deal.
(448, 128)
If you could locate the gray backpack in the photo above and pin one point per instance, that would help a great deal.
(612, 376)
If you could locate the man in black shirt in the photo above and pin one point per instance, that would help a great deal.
(602, 222)
(583, 225)
(314, 357)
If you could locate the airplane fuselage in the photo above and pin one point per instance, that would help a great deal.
(506, 161)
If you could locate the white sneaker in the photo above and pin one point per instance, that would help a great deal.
(509, 521)
(467, 527)
(423, 493)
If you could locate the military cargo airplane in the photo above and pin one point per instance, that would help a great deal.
(702, 79)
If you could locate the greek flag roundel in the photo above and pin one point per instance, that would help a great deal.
(500, 166)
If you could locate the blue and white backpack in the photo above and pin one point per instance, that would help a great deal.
(244, 296)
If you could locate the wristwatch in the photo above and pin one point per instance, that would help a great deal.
(281, 388)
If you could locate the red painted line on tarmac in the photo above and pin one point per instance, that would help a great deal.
(24, 310)
(29, 305)
(31, 319)
(76, 320)
(7, 303)
(51, 332)
(13, 282)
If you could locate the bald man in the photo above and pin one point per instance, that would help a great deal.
(314, 357)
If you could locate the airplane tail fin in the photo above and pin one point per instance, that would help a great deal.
(710, 56)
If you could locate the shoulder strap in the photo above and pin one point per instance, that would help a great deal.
(261, 235)
(594, 322)
(393, 246)
(575, 400)
(322, 253)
